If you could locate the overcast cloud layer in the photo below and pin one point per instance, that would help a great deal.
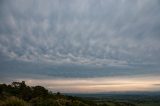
(79, 38)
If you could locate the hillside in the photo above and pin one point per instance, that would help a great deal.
(20, 94)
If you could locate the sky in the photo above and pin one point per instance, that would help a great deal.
(81, 46)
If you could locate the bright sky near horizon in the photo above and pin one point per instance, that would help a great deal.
(81, 45)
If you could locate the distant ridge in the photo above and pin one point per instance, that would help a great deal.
(108, 94)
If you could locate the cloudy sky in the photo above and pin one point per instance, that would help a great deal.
(81, 45)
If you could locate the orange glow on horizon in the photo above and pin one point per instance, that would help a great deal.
(105, 84)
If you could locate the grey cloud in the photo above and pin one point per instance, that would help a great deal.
(156, 84)
(105, 33)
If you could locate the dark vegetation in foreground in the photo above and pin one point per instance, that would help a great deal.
(19, 94)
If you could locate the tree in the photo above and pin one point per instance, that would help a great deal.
(39, 91)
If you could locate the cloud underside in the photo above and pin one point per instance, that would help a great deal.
(90, 35)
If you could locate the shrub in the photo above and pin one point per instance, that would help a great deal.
(13, 101)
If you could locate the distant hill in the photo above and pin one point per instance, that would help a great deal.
(116, 94)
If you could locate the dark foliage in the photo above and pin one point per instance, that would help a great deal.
(19, 92)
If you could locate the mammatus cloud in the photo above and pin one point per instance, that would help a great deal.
(86, 32)
(88, 37)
